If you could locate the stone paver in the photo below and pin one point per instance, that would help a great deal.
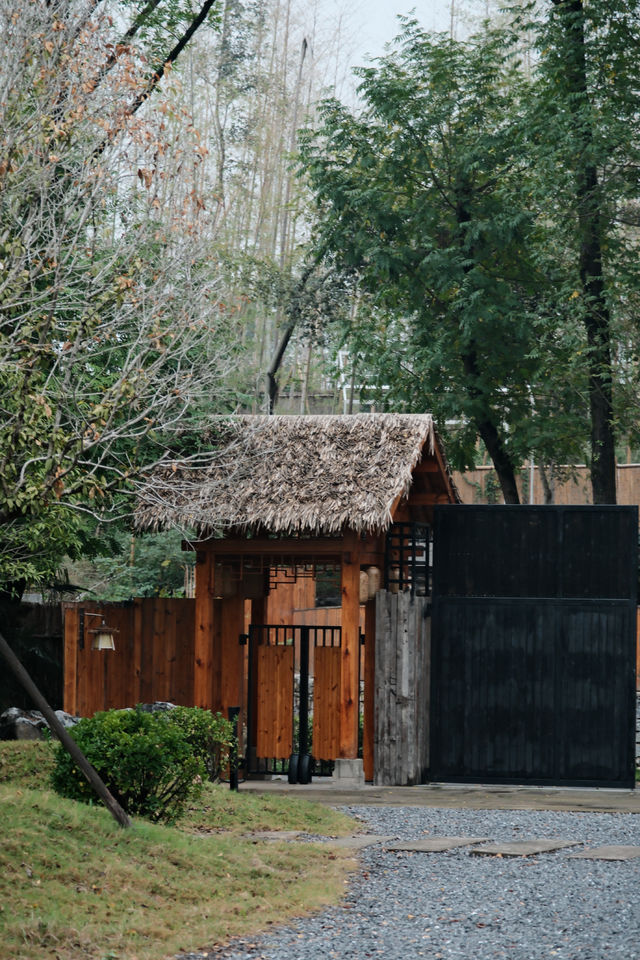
(434, 844)
(522, 848)
(458, 796)
(611, 852)
(358, 842)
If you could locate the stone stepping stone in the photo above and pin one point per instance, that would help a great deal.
(611, 852)
(434, 844)
(357, 842)
(522, 848)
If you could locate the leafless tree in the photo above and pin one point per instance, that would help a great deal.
(112, 340)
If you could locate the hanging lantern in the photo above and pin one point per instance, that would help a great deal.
(364, 586)
(374, 579)
(103, 637)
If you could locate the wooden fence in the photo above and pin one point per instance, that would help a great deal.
(402, 680)
(573, 487)
(153, 659)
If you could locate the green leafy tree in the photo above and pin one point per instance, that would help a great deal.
(149, 565)
(425, 195)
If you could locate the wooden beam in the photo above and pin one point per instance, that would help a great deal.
(309, 549)
(350, 670)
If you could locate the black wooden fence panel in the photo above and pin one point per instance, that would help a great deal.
(533, 645)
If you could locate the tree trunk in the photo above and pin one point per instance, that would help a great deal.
(490, 435)
(597, 318)
(548, 484)
(501, 460)
(485, 420)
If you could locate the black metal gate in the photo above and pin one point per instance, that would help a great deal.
(284, 716)
(533, 644)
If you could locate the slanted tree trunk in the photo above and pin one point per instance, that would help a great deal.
(548, 483)
(490, 435)
(67, 742)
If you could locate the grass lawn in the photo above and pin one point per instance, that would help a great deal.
(75, 886)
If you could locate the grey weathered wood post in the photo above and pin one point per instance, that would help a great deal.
(402, 681)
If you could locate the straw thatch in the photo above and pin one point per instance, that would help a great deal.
(287, 475)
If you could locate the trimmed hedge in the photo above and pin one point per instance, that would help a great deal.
(145, 759)
(210, 736)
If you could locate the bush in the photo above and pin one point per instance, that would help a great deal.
(145, 760)
(210, 736)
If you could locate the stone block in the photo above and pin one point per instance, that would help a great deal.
(434, 844)
(522, 848)
(348, 773)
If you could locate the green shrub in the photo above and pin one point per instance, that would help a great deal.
(210, 736)
(144, 759)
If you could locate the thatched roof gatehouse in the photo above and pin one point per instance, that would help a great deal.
(293, 493)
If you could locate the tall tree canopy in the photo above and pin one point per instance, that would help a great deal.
(479, 205)
(424, 194)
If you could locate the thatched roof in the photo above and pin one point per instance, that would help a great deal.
(290, 475)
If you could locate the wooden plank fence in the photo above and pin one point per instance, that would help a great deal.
(402, 681)
(153, 659)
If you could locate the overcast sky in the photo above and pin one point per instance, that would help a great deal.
(378, 23)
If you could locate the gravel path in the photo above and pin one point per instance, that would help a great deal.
(453, 905)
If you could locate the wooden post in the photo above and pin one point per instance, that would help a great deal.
(369, 686)
(67, 742)
(258, 616)
(231, 654)
(349, 693)
(204, 628)
(401, 740)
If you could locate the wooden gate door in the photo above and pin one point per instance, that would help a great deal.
(293, 699)
(533, 644)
